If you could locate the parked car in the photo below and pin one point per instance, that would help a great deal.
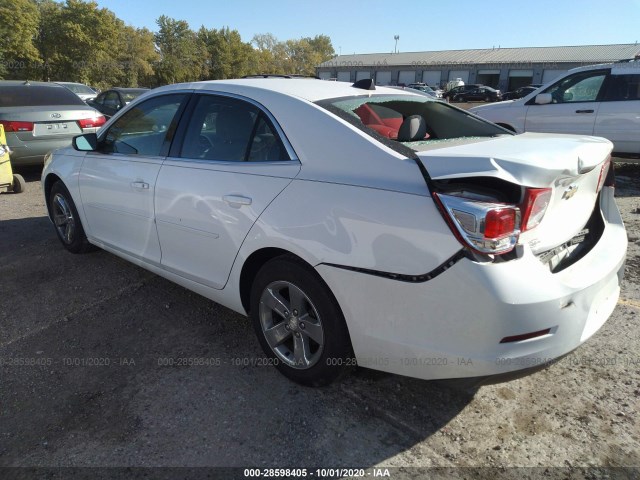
(110, 101)
(423, 87)
(520, 92)
(602, 100)
(451, 93)
(354, 223)
(39, 117)
(83, 91)
(484, 94)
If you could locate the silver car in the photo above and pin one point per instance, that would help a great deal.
(85, 92)
(40, 117)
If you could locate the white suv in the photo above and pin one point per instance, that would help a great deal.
(601, 100)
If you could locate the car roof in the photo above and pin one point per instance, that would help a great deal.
(28, 83)
(632, 66)
(308, 89)
(127, 89)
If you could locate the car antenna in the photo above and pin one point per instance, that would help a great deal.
(365, 84)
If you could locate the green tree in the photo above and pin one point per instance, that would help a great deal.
(137, 55)
(19, 20)
(227, 55)
(291, 56)
(181, 52)
(76, 41)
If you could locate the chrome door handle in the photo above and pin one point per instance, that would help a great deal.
(140, 185)
(236, 200)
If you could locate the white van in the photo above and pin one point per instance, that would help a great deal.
(601, 100)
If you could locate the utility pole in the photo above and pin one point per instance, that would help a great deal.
(396, 38)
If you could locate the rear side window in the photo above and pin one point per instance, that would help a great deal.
(230, 130)
(623, 87)
(36, 95)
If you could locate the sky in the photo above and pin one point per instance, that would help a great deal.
(370, 26)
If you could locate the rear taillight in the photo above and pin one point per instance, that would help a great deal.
(486, 227)
(604, 177)
(10, 126)
(93, 122)
(536, 201)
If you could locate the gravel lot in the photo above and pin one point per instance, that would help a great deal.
(84, 340)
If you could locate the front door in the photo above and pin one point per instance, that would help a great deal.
(117, 182)
(574, 106)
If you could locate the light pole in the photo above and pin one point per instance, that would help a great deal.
(396, 38)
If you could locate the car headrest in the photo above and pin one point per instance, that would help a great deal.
(413, 128)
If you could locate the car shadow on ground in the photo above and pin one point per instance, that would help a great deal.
(30, 174)
(105, 364)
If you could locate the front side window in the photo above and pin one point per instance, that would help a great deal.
(99, 99)
(144, 129)
(111, 100)
(580, 87)
(230, 130)
(622, 88)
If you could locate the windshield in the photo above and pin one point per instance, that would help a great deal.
(415, 122)
(129, 96)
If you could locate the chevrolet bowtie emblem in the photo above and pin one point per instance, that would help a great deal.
(569, 192)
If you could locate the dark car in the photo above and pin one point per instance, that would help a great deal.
(39, 117)
(520, 92)
(481, 93)
(110, 101)
(450, 94)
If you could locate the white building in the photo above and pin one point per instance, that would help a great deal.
(502, 68)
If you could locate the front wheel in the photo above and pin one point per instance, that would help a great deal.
(299, 323)
(66, 220)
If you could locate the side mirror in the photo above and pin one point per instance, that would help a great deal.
(85, 143)
(543, 98)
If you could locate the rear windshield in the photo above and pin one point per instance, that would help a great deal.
(414, 122)
(36, 95)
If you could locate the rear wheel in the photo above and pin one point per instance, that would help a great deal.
(66, 220)
(299, 323)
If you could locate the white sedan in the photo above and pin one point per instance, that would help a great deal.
(354, 224)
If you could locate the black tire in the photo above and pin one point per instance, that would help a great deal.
(328, 360)
(66, 220)
(487, 99)
(459, 99)
(19, 184)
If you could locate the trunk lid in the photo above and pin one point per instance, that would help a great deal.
(568, 164)
(49, 121)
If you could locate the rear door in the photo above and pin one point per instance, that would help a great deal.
(228, 163)
(618, 116)
(117, 182)
(574, 107)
